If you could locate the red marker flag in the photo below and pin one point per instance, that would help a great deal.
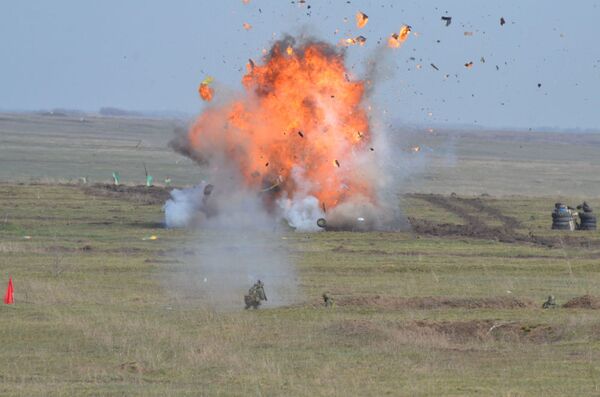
(8, 297)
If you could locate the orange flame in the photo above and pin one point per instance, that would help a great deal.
(361, 19)
(397, 39)
(206, 93)
(301, 112)
(247, 26)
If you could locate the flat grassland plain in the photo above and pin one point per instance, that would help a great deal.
(452, 307)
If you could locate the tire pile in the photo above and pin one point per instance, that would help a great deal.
(565, 218)
(562, 221)
(588, 221)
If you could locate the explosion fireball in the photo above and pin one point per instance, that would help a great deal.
(300, 111)
(299, 131)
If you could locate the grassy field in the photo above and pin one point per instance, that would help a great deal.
(36, 148)
(415, 313)
(452, 307)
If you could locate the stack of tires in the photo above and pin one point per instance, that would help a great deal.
(562, 220)
(588, 221)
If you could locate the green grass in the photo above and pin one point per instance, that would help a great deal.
(97, 310)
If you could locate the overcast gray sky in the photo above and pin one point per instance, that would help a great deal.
(151, 55)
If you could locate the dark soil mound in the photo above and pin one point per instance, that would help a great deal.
(583, 302)
(481, 330)
(440, 333)
(428, 303)
(140, 194)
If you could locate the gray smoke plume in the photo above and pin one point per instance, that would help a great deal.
(235, 243)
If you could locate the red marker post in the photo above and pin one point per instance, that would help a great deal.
(10, 290)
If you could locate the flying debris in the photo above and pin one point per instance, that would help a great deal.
(360, 40)
(469, 65)
(502, 21)
(301, 134)
(361, 19)
(397, 39)
(448, 20)
(468, 33)
(247, 26)
(337, 163)
(539, 85)
(482, 60)
(433, 66)
(205, 91)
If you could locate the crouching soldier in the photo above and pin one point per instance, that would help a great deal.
(256, 294)
(550, 303)
(327, 300)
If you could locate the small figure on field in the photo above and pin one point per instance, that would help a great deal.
(550, 303)
(327, 300)
(256, 294)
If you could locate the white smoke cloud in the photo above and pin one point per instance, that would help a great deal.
(183, 205)
(235, 242)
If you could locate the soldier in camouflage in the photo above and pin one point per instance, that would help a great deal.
(327, 300)
(256, 294)
(550, 303)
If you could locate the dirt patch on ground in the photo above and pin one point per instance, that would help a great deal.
(475, 227)
(442, 334)
(482, 330)
(139, 194)
(583, 302)
(479, 205)
(434, 302)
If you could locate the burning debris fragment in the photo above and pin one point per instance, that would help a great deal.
(469, 65)
(397, 39)
(205, 91)
(360, 40)
(361, 19)
(247, 26)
